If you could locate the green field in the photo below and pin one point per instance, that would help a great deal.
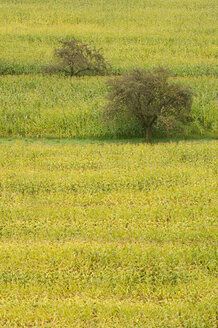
(178, 34)
(97, 230)
(58, 107)
(108, 235)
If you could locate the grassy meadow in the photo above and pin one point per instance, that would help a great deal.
(106, 233)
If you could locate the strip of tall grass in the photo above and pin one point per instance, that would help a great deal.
(60, 107)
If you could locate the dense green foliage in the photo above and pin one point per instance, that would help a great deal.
(149, 97)
(108, 235)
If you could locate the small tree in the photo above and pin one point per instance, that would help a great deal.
(75, 57)
(150, 97)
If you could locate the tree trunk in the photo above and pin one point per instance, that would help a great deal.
(71, 71)
(148, 133)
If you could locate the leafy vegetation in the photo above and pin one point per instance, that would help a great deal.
(149, 97)
(78, 58)
(108, 235)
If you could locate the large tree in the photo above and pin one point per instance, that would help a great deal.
(150, 97)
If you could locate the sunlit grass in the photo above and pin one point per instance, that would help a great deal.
(110, 235)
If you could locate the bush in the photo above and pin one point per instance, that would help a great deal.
(76, 57)
(149, 97)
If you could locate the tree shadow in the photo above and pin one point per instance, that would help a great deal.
(101, 141)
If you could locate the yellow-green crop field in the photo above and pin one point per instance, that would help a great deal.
(105, 234)
(108, 234)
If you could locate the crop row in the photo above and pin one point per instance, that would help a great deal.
(40, 106)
